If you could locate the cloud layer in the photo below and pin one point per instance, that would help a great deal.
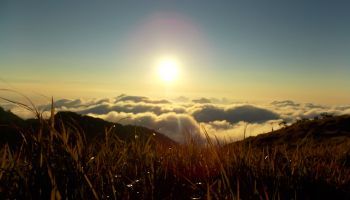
(182, 116)
(233, 114)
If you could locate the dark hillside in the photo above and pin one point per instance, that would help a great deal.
(93, 129)
(10, 125)
(332, 130)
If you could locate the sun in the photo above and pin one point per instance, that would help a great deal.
(168, 69)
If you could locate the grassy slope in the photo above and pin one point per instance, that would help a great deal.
(55, 162)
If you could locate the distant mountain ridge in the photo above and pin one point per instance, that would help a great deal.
(10, 125)
(94, 129)
(9, 117)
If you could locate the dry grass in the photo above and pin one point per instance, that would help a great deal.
(52, 164)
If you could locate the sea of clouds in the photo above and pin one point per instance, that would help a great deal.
(176, 118)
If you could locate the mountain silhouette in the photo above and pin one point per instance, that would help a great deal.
(10, 125)
(93, 129)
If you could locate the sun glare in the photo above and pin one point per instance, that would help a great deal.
(168, 70)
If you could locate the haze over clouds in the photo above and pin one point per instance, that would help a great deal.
(226, 121)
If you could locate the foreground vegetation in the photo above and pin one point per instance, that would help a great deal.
(59, 164)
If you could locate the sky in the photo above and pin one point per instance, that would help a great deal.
(242, 50)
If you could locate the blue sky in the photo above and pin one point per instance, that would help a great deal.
(253, 50)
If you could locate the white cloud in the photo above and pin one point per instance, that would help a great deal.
(225, 121)
(226, 131)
